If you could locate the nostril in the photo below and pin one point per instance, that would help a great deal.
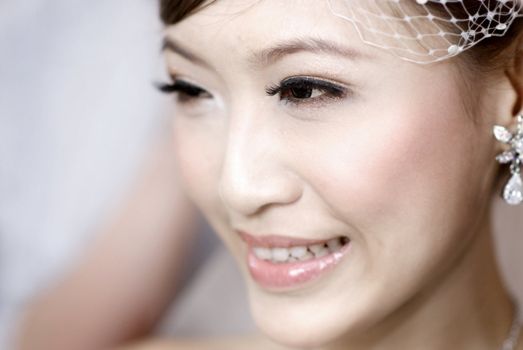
(249, 195)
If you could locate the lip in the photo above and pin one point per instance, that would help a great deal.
(270, 241)
(291, 275)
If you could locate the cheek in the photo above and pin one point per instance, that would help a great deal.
(400, 181)
(198, 160)
(406, 159)
(402, 176)
(394, 159)
(199, 153)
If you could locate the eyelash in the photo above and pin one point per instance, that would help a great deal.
(185, 91)
(294, 90)
(289, 90)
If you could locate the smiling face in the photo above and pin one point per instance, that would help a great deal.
(290, 132)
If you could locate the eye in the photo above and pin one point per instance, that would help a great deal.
(186, 92)
(307, 90)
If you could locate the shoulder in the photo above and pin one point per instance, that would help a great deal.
(519, 345)
(172, 344)
(239, 343)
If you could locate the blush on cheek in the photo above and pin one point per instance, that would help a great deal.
(410, 159)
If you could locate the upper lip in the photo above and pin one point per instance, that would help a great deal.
(272, 240)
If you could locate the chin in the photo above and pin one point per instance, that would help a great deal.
(302, 334)
(304, 325)
(297, 335)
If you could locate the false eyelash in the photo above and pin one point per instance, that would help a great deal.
(307, 82)
(181, 87)
(166, 87)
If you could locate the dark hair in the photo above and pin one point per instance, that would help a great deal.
(173, 11)
(487, 56)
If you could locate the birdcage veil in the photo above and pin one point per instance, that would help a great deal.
(426, 31)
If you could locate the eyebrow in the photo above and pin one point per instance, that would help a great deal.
(313, 45)
(275, 53)
(171, 45)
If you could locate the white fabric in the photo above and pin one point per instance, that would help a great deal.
(415, 32)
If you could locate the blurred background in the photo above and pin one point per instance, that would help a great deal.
(78, 113)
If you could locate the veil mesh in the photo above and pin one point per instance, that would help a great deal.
(426, 31)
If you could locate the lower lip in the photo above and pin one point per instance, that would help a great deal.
(291, 275)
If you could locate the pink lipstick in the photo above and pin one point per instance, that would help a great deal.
(277, 262)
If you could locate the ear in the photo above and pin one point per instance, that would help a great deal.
(514, 73)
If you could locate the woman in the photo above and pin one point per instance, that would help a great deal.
(351, 182)
(352, 185)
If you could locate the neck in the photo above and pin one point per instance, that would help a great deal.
(467, 308)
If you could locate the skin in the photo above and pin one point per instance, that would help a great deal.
(401, 165)
(127, 276)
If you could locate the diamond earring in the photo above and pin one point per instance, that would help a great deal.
(513, 192)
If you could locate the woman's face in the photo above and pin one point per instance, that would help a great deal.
(293, 132)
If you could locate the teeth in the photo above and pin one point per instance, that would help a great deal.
(307, 256)
(299, 253)
(316, 248)
(321, 252)
(280, 254)
(334, 244)
(263, 253)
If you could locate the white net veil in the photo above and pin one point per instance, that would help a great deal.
(426, 31)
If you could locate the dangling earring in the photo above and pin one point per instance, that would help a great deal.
(513, 192)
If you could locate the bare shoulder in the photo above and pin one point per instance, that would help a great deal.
(520, 341)
(239, 343)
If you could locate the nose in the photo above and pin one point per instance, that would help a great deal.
(257, 169)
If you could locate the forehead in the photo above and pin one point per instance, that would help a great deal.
(239, 28)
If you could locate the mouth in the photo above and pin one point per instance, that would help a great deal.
(282, 263)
